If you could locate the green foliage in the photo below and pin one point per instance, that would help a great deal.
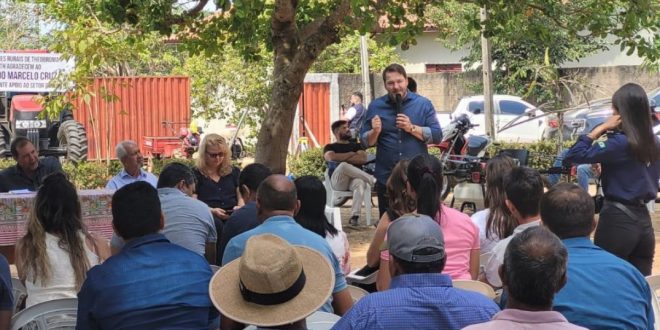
(19, 26)
(527, 47)
(344, 57)
(158, 164)
(541, 154)
(310, 162)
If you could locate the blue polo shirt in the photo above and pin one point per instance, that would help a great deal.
(624, 177)
(419, 301)
(288, 229)
(603, 291)
(394, 144)
(123, 178)
(150, 284)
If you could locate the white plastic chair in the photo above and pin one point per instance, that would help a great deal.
(356, 293)
(19, 292)
(214, 268)
(54, 314)
(654, 283)
(475, 286)
(332, 195)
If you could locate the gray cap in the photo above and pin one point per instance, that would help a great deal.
(411, 233)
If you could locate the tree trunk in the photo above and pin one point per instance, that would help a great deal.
(295, 51)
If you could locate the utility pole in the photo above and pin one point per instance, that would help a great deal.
(487, 77)
(364, 63)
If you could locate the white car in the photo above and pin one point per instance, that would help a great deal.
(508, 110)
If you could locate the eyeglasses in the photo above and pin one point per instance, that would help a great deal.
(216, 155)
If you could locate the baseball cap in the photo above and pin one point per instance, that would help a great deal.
(411, 234)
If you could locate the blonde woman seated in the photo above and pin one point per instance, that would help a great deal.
(53, 257)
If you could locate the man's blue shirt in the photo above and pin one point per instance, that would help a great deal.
(288, 229)
(150, 284)
(603, 291)
(394, 144)
(419, 301)
(123, 178)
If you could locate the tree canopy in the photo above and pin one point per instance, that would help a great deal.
(295, 33)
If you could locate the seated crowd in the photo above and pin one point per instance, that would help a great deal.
(283, 262)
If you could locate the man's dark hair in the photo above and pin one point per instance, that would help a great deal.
(335, 126)
(409, 267)
(412, 85)
(16, 143)
(394, 68)
(524, 188)
(252, 176)
(534, 266)
(358, 94)
(568, 211)
(136, 210)
(173, 173)
(274, 195)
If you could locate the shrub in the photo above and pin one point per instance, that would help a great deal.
(541, 154)
(310, 162)
(88, 175)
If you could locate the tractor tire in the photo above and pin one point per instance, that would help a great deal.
(72, 136)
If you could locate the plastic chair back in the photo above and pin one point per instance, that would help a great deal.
(19, 292)
(356, 293)
(214, 268)
(54, 314)
(522, 155)
(475, 286)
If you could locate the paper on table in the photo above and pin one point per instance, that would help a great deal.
(21, 191)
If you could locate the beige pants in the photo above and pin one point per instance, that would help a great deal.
(347, 177)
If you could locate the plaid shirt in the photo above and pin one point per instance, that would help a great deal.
(419, 301)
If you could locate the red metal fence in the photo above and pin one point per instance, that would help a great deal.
(142, 107)
(315, 111)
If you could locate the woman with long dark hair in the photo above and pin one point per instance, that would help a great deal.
(53, 257)
(630, 163)
(399, 203)
(495, 222)
(311, 215)
(461, 235)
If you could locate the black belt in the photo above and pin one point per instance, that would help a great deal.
(638, 202)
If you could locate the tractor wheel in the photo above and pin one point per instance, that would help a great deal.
(72, 136)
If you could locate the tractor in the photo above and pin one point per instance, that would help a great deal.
(20, 116)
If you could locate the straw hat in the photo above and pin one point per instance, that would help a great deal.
(273, 283)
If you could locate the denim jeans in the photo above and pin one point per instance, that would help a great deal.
(584, 172)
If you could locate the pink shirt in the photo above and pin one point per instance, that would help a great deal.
(461, 237)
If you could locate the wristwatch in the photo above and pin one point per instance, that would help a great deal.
(412, 129)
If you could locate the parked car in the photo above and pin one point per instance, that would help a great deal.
(509, 110)
(589, 115)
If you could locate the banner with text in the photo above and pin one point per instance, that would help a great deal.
(26, 72)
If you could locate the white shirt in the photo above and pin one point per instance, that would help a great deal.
(497, 259)
(480, 219)
(62, 282)
(350, 113)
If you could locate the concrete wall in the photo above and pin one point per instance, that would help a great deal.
(444, 89)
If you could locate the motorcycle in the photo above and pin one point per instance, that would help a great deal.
(459, 155)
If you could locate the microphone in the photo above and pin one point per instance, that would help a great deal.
(397, 103)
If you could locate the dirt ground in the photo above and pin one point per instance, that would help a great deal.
(360, 237)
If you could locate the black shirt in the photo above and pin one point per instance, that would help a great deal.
(340, 148)
(221, 194)
(13, 178)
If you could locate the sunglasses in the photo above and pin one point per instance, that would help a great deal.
(216, 155)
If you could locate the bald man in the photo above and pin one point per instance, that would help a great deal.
(277, 202)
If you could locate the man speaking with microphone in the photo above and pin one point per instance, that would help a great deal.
(400, 124)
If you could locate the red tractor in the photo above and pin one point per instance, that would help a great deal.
(20, 116)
